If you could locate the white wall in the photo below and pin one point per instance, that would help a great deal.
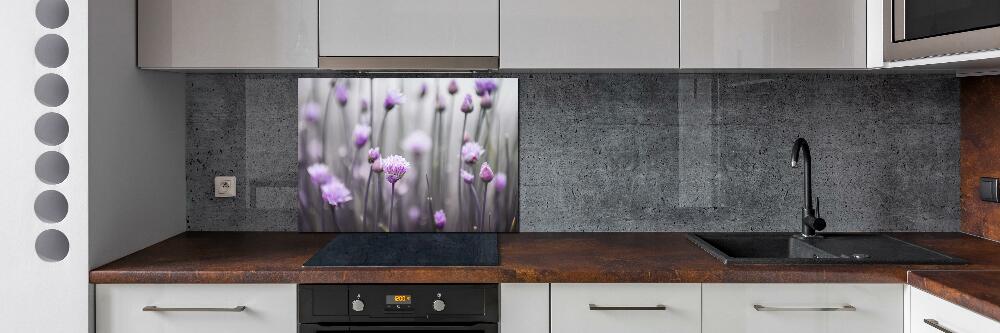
(137, 188)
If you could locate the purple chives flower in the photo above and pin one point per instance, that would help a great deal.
(414, 213)
(439, 105)
(486, 101)
(423, 89)
(501, 182)
(377, 166)
(467, 177)
(335, 193)
(395, 168)
(341, 95)
(466, 104)
(452, 87)
(471, 152)
(417, 143)
(485, 173)
(319, 173)
(364, 104)
(440, 219)
(311, 111)
(392, 98)
(485, 86)
(373, 155)
(361, 134)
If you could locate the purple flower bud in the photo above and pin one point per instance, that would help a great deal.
(467, 177)
(439, 105)
(485, 173)
(423, 89)
(452, 87)
(485, 86)
(486, 102)
(417, 143)
(361, 134)
(466, 104)
(373, 155)
(335, 193)
(364, 104)
(377, 166)
(392, 98)
(319, 173)
(311, 111)
(414, 213)
(471, 152)
(395, 168)
(501, 182)
(341, 95)
(440, 219)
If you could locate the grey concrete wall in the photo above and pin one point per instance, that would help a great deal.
(640, 152)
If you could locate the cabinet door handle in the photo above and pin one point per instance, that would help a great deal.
(848, 307)
(935, 324)
(154, 308)
(660, 307)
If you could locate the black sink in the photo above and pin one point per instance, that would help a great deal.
(786, 248)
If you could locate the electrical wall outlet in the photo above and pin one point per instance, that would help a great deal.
(225, 187)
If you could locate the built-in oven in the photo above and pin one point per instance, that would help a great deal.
(916, 29)
(385, 308)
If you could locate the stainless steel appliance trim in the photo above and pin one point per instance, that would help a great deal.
(963, 42)
(935, 324)
(848, 307)
(658, 307)
(409, 63)
(154, 308)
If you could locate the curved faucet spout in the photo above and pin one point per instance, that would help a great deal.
(810, 222)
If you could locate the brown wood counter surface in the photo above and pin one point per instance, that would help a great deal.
(978, 291)
(277, 257)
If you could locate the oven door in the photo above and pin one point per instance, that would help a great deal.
(473, 328)
(926, 28)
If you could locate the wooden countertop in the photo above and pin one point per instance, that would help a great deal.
(978, 291)
(275, 257)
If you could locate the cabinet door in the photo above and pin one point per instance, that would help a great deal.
(929, 314)
(524, 308)
(773, 34)
(227, 33)
(817, 308)
(407, 28)
(589, 34)
(626, 307)
(269, 308)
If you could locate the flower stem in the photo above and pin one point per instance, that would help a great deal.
(392, 201)
(364, 210)
(482, 211)
(475, 197)
(459, 174)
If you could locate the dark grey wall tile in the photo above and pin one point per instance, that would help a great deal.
(641, 152)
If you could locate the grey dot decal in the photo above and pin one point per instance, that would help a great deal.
(51, 129)
(51, 51)
(52, 13)
(51, 206)
(52, 167)
(52, 245)
(51, 90)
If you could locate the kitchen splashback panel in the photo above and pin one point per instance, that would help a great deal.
(639, 152)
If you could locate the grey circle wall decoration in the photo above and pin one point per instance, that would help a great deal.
(51, 50)
(52, 13)
(52, 245)
(51, 206)
(51, 90)
(52, 167)
(51, 129)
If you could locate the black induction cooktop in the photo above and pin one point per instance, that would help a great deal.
(408, 249)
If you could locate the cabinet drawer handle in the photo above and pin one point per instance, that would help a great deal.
(848, 307)
(240, 308)
(935, 324)
(594, 307)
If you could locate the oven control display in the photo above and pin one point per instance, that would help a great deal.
(398, 302)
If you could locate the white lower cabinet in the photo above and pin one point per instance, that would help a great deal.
(816, 308)
(196, 308)
(625, 307)
(524, 308)
(930, 314)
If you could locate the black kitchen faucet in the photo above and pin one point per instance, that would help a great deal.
(810, 221)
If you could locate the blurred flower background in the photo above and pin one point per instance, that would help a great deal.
(403, 155)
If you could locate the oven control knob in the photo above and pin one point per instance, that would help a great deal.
(358, 305)
(438, 305)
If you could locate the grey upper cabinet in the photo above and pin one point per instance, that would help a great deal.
(408, 34)
(589, 34)
(193, 34)
(774, 34)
